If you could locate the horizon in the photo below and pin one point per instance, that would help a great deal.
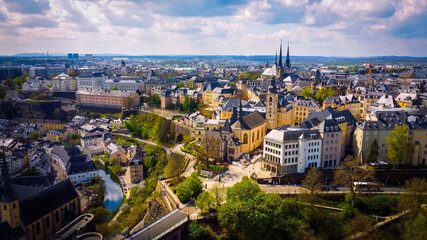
(197, 27)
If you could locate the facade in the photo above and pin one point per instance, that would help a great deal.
(91, 81)
(302, 108)
(349, 102)
(63, 83)
(291, 150)
(91, 139)
(249, 130)
(106, 98)
(55, 135)
(331, 135)
(116, 152)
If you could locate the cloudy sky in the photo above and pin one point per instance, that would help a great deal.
(215, 27)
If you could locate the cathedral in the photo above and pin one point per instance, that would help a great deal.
(278, 70)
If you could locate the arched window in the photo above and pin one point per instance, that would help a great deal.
(253, 137)
(245, 138)
(257, 135)
(271, 99)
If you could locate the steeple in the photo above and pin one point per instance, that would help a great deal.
(280, 54)
(5, 173)
(288, 62)
(275, 59)
(240, 111)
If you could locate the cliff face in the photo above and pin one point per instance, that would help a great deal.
(156, 210)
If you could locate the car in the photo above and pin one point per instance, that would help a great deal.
(84, 209)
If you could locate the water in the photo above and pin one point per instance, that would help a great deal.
(113, 192)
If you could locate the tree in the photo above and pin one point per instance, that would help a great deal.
(418, 228)
(210, 149)
(186, 103)
(3, 93)
(415, 190)
(204, 201)
(115, 126)
(190, 84)
(250, 213)
(9, 83)
(57, 113)
(218, 193)
(307, 92)
(155, 99)
(191, 187)
(323, 93)
(350, 172)
(114, 88)
(75, 136)
(175, 167)
(198, 232)
(34, 135)
(181, 85)
(373, 152)
(20, 80)
(164, 131)
(399, 148)
(100, 214)
(313, 182)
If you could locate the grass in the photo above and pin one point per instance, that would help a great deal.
(210, 167)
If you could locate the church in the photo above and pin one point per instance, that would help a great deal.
(278, 70)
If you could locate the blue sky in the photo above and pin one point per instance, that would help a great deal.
(215, 27)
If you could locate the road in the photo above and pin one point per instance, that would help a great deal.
(167, 222)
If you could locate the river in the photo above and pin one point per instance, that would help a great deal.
(113, 192)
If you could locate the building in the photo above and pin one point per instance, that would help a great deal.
(407, 99)
(135, 166)
(349, 102)
(94, 80)
(249, 130)
(302, 108)
(91, 139)
(55, 135)
(63, 83)
(291, 150)
(107, 99)
(331, 135)
(116, 153)
(37, 213)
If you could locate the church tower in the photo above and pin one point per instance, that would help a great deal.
(8, 203)
(288, 61)
(271, 103)
(279, 67)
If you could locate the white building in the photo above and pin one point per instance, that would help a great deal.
(91, 139)
(63, 82)
(291, 150)
(33, 85)
(91, 81)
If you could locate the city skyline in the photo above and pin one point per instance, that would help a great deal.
(313, 28)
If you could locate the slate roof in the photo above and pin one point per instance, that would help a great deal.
(81, 167)
(329, 125)
(250, 121)
(46, 201)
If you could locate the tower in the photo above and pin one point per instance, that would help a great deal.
(271, 102)
(279, 67)
(9, 204)
(288, 62)
(265, 64)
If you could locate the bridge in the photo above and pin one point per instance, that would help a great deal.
(80, 225)
(168, 227)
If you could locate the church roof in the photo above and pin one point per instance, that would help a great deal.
(249, 122)
(46, 201)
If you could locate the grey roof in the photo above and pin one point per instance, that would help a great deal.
(329, 125)
(46, 201)
(250, 121)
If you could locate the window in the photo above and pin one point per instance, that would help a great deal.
(38, 228)
(47, 222)
(245, 138)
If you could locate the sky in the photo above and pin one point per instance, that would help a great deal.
(215, 27)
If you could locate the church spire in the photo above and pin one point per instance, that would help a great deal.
(275, 59)
(240, 111)
(288, 62)
(280, 54)
(5, 173)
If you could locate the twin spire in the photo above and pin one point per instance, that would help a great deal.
(287, 61)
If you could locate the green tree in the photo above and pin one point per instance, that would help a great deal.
(20, 80)
(218, 194)
(417, 230)
(307, 92)
(204, 201)
(313, 182)
(415, 192)
(175, 167)
(186, 103)
(350, 172)
(190, 84)
(100, 214)
(399, 148)
(164, 131)
(249, 213)
(155, 99)
(3, 93)
(198, 232)
(323, 93)
(75, 136)
(34, 135)
(9, 83)
(114, 88)
(373, 152)
(181, 85)
(115, 126)
(191, 187)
